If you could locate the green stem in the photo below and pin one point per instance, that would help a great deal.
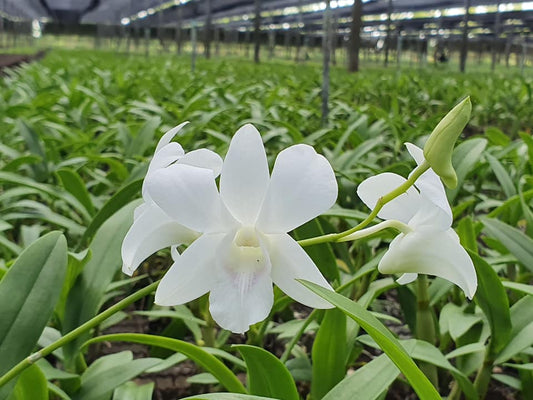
(481, 383)
(335, 237)
(425, 325)
(295, 338)
(31, 359)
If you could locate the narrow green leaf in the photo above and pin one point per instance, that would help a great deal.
(87, 293)
(492, 299)
(383, 337)
(367, 382)
(28, 294)
(267, 376)
(329, 353)
(519, 287)
(514, 240)
(73, 183)
(36, 147)
(465, 157)
(31, 385)
(321, 254)
(227, 396)
(115, 203)
(467, 233)
(144, 138)
(99, 382)
(133, 391)
(522, 329)
(197, 354)
(502, 175)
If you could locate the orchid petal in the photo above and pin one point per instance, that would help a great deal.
(244, 178)
(191, 275)
(430, 184)
(291, 262)
(203, 158)
(166, 156)
(151, 231)
(402, 208)
(189, 195)
(168, 136)
(242, 294)
(407, 278)
(302, 186)
(430, 217)
(436, 253)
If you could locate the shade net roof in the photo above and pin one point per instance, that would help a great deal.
(275, 14)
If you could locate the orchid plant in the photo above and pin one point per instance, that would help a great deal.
(228, 223)
(237, 235)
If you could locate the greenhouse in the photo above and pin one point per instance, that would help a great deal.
(266, 199)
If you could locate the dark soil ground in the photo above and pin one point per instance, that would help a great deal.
(14, 60)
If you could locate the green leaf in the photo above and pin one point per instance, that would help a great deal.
(52, 191)
(514, 240)
(227, 396)
(367, 382)
(492, 299)
(115, 203)
(329, 353)
(321, 254)
(72, 182)
(36, 147)
(133, 391)
(467, 233)
(31, 385)
(519, 287)
(465, 157)
(383, 337)
(109, 372)
(522, 329)
(28, 294)
(502, 175)
(85, 297)
(144, 138)
(267, 376)
(197, 354)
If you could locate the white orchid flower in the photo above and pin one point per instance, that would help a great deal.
(428, 244)
(243, 245)
(152, 229)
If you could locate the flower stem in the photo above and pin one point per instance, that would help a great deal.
(336, 237)
(483, 376)
(32, 358)
(425, 326)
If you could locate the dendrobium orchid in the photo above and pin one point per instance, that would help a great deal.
(152, 229)
(427, 244)
(242, 246)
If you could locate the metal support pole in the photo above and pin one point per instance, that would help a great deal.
(355, 36)
(388, 37)
(271, 43)
(257, 30)
(496, 36)
(193, 43)
(299, 32)
(207, 29)
(217, 41)
(399, 48)
(147, 41)
(464, 43)
(326, 50)
(178, 30)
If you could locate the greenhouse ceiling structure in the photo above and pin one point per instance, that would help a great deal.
(307, 15)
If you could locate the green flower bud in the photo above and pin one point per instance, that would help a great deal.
(439, 147)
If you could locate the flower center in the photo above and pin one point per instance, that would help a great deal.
(246, 252)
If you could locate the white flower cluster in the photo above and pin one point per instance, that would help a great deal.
(236, 232)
